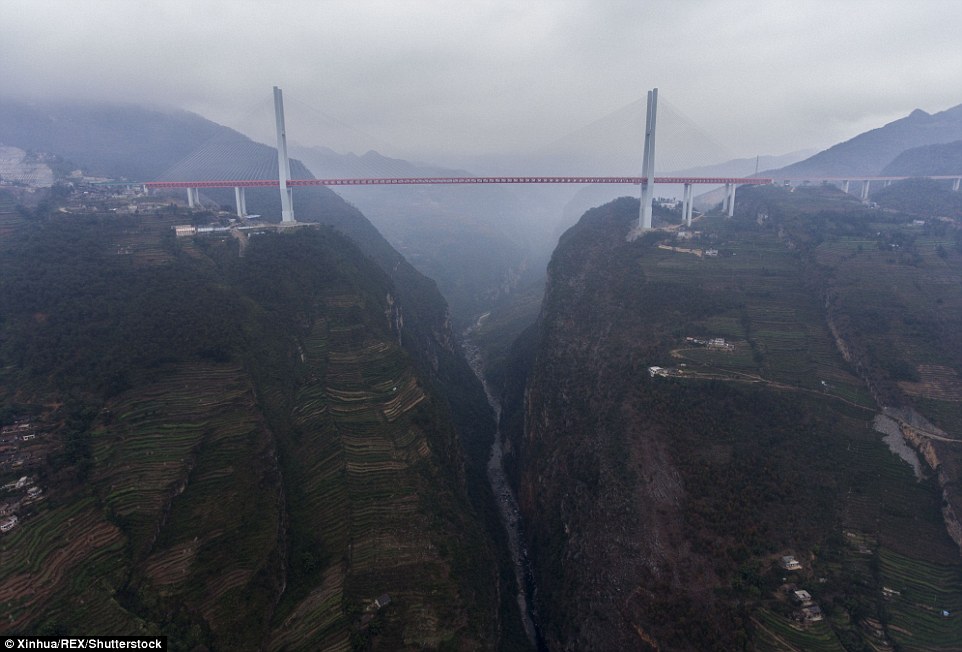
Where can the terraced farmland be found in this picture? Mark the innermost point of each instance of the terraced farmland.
(148, 451)
(926, 609)
(54, 558)
(775, 633)
(180, 477)
(144, 240)
(907, 296)
(761, 301)
(247, 456)
(359, 472)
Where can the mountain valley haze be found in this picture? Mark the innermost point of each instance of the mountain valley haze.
(546, 326)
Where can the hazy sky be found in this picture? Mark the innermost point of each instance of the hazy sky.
(446, 80)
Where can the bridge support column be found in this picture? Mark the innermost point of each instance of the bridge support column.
(686, 203)
(283, 162)
(955, 184)
(865, 186)
(241, 200)
(647, 168)
(193, 198)
(729, 206)
(845, 186)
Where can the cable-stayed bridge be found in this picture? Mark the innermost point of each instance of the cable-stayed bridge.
(222, 155)
(226, 162)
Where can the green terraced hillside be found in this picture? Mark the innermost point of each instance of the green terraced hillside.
(237, 452)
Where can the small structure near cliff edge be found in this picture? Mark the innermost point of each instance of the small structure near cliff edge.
(789, 563)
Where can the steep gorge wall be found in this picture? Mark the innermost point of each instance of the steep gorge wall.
(656, 508)
(597, 485)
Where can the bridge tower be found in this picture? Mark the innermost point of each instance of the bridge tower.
(647, 168)
(648, 165)
(283, 162)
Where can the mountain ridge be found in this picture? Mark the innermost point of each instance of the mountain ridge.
(940, 159)
(868, 153)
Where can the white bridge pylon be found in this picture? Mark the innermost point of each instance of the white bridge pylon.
(283, 161)
(648, 163)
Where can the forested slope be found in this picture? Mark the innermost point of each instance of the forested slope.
(662, 478)
(239, 452)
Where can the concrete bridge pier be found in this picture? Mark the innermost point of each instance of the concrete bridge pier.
(865, 186)
(845, 186)
(193, 198)
(729, 206)
(955, 184)
(241, 200)
(686, 203)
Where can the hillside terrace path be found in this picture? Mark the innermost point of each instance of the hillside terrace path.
(778, 639)
(726, 375)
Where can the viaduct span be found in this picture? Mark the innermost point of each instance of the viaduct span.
(646, 182)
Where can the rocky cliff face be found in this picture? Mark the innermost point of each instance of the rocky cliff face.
(658, 503)
(597, 483)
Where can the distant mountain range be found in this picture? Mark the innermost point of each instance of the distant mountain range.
(326, 163)
(111, 140)
(746, 167)
(928, 160)
(871, 153)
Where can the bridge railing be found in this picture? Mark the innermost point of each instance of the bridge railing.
(385, 181)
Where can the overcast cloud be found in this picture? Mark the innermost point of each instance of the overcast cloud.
(453, 80)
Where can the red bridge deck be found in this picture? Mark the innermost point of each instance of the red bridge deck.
(449, 180)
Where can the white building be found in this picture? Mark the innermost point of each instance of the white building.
(790, 563)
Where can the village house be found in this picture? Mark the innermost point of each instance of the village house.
(802, 597)
(789, 563)
(812, 614)
(719, 343)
